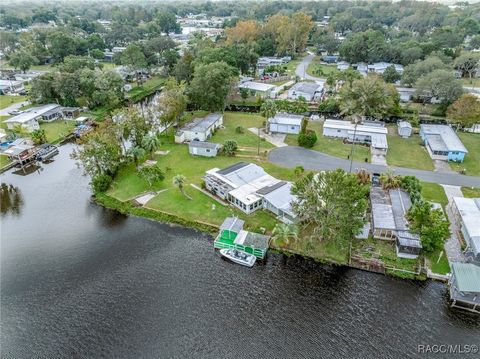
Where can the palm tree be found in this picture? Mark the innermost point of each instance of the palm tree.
(179, 181)
(136, 153)
(389, 180)
(283, 233)
(268, 110)
(150, 143)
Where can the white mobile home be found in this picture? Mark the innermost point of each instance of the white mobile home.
(200, 129)
(375, 136)
(467, 215)
(310, 91)
(257, 88)
(285, 123)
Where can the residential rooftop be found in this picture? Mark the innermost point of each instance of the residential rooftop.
(201, 124)
(442, 138)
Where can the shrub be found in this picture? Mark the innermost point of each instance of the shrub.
(230, 147)
(101, 183)
(240, 130)
(307, 139)
(38, 136)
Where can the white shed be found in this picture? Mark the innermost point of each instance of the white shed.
(404, 129)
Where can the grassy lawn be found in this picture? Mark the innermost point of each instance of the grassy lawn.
(408, 152)
(7, 100)
(321, 250)
(320, 70)
(332, 146)
(472, 159)
(433, 192)
(292, 65)
(127, 185)
(471, 192)
(384, 251)
(6, 66)
(4, 161)
(232, 120)
(438, 262)
(147, 88)
(474, 82)
(57, 129)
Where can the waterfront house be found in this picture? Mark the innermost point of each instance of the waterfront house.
(464, 284)
(467, 215)
(249, 188)
(199, 129)
(232, 235)
(389, 223)
(21, 154)
(310, 91)
(442, 143)
(205, 149)
(260, 89)
(285, 123)
(368, 133)
(29, 119)
(404, 129)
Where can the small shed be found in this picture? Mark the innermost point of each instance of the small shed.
(404, 129)
(201, 148)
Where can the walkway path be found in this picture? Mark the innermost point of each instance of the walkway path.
(313, 160)
(276, 139)
(13, 107)
(301, 70)
(452, 245)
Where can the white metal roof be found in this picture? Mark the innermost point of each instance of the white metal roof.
(469, 209)
(306, 87)
(32, 113)
(287, 119)
(256, 86)
(449, 139)
(404, 124)
(347, 125)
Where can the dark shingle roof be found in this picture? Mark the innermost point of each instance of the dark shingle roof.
(232, 168)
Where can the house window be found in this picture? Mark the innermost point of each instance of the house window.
(339, 130)
(293, 127)
(207, 150)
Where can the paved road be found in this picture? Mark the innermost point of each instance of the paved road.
(15, 106)
(301, 70)
(313, 160)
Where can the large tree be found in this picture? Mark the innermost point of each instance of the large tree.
(413, 72)
(167, 22)
(172, 102)
(211, 85)
(333, 202)
(368, 46)
(369, 96)
(22, 60)
(134, 58)
(468, 63)
(465, 111)
(439, 84)
(244, 32)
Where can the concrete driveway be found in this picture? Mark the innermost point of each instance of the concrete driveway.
(15, 106)
(313, 160)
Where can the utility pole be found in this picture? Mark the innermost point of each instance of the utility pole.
(353, 144)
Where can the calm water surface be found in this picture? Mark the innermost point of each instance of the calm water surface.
(80, 281)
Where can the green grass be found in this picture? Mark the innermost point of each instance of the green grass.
(471, 192)
(127, 185)
(232, 120)
(384, 251)
(408, 152)
(472, 159)
(433, 192)
(331, 146)
(438, 264)
(292, 66)
(7, 100)
(4, 160)
(474, 82)
(146, 89)
(57, 129)
(6, 66)
(320, 70)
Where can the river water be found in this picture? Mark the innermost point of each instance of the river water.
(81, 281)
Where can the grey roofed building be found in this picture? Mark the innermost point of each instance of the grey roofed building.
(467, 214)
(464, 286)
(201, 148)
(199, 129)
(441, 141)
(202, 124)
(285, 123)
(278, 199)
(307, 90)
(404, 129)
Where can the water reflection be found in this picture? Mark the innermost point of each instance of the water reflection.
(11, 200)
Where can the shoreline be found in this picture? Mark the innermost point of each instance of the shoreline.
(128, 208)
